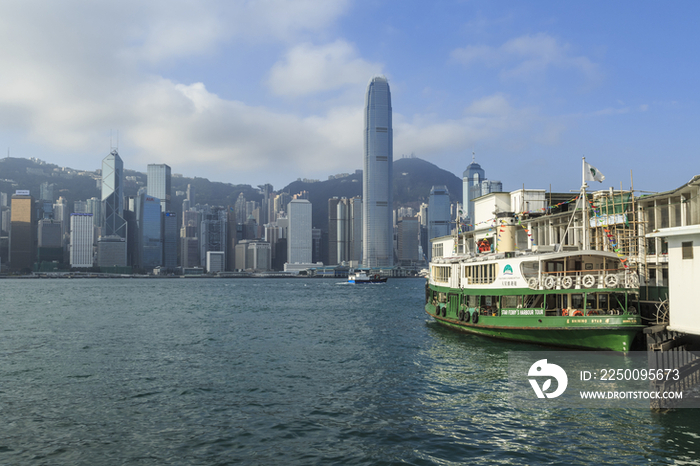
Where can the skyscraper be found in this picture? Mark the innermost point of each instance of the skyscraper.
(438, 212)
(171, 236)
(23, 231)
(81, 227)
(113, 195)
(299, 232)
(377, 230)
(475, 184)
(150, 241)
(158, 183)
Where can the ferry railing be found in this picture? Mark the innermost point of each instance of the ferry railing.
(585, 279)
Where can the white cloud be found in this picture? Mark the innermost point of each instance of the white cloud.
(73, 71)
(491, 120)
(310, 69)
(526, 55)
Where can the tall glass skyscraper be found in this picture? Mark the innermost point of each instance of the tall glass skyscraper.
(158, 184)
(475, 184)
(377, 228)
(113, 195)
(150, 241)
(438, 213)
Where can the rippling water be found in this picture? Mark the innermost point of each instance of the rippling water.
(280, 371)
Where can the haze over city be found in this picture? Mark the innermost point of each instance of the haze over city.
(265, 92)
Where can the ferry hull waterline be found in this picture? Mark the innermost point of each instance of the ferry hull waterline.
(613, 333)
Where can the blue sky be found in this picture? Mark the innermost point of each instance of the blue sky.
(269, 91)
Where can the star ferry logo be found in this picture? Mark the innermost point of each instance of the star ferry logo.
(542, 369)
(507, 270)
(593, 172)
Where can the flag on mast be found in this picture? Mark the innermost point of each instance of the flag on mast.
(592, 173)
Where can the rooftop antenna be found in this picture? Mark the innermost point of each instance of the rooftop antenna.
(473, 156)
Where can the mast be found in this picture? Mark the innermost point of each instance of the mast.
(584, 200)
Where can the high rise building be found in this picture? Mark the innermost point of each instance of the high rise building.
(213, 234)
(46, 191)
(344, 230)
(438, 213)
(23, 229)
(81, 227)
(240, 208)
(475, 184)
(113, 195)
(158, 184)
(150, 242)
(94, 207)
(189, 252)
(377, 231)
(299, 241)
(62, 214)
(111, 251)
(170, 239)
(190, 195)
(409, 228)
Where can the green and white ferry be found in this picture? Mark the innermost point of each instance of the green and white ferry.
(577, 297)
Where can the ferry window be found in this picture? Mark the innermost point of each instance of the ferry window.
(510, 301)
(576, 301)
(487, 301)
(603, 301)
(591, 301)
(529, 269)
(443, 297)
(533, 301)
(687, 247)
(552, 301)
(471, 301)
(441, 273)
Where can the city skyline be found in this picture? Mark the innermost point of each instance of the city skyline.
(203, 88)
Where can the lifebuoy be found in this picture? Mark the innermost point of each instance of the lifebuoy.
(565, 312)
(475, 316)
(566, 282)
(549, 282)
(532, 283)
(577, 313)
(484, 246)
(588, 281)
(632, 310)
(633, 280)
(611, 281)
(593, 312)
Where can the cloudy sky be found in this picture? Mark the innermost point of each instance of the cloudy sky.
(271, 90)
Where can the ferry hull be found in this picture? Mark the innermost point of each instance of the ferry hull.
(603, 333)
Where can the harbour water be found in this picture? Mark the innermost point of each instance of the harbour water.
(280, 371)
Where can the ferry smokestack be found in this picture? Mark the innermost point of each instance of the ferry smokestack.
(507, 228)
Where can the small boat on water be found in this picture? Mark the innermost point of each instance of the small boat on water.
(361, 277)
